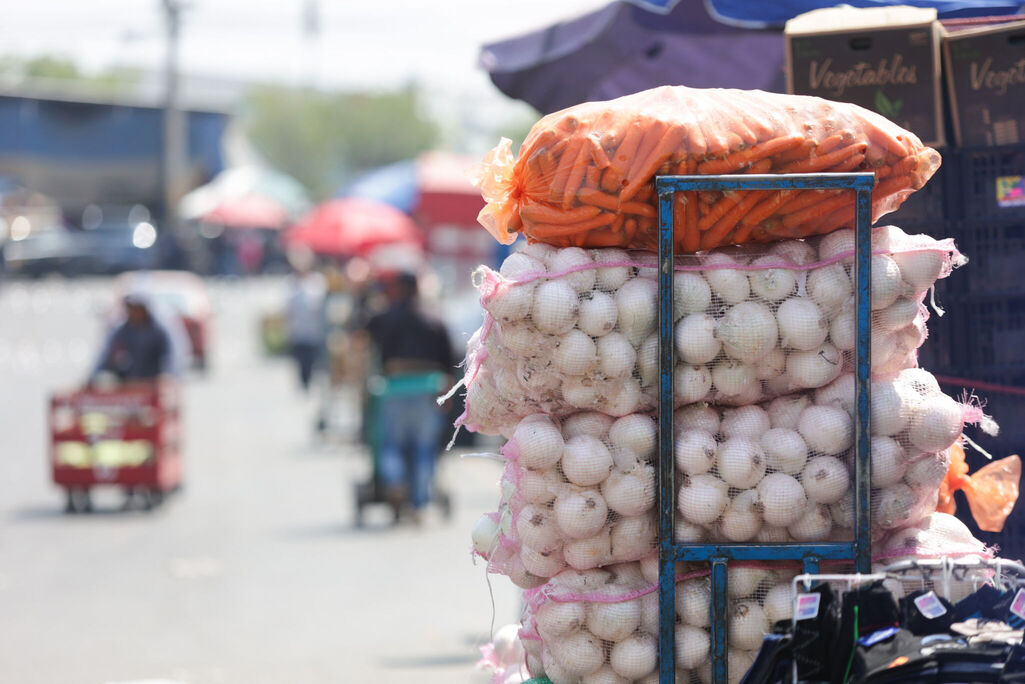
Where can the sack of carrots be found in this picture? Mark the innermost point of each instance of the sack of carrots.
(585, 175)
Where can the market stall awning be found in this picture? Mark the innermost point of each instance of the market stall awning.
(242, 182)
(250, 211)
(353, 227)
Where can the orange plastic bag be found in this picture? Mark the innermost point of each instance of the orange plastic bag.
(584, 175)
(991, 492)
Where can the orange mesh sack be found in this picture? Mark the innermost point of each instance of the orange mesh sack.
(584, 174)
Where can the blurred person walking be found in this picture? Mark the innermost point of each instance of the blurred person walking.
(138, 349)
(412, 345)
(304, 315)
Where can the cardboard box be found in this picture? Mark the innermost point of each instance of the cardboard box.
(884, 59)
(986, 81)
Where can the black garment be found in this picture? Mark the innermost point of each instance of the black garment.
(305, 355)
(980, 604)
(405, 332)
(918, 624)
(814, 638)
(137, 352)
(876, 610)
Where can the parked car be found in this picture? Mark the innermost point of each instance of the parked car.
(177, 294)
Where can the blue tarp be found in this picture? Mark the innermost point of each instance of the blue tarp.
(394, 184)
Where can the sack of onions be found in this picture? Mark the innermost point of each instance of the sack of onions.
(570, 329)
(602, 624)
(576, 493)
(503, 661)
(783, 470)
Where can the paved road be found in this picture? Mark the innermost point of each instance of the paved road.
(254, 573)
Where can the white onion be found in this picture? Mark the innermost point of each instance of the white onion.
(744, 581)
(630, 493)
(742, 519)
(839, 393)
(539, 486)
(784, 411)
(554, 670)
(843, 330)
(579, 653)
(611, 278)
(536, 529)
(647, 360)
(625, 574)
(626, 398)
(649, 569)
(696, 418)
(694, 602)
(637, 304)
(770, 534)
(570, 257)
(898, 315)
(936, 423)
(783, 499)
(920, 380)
(829, 286)
(542, 564)
(691, 294)
(920, 269)
(692, 647)
(537, 374)
(784, 450)
(484, 534)
(748, 331)
(539, 251)
(730, 285)
(702, 498)
(827, 430)
(813, 525)
(748, 625)
(691, 383)
(555, 307)
(886, 283)
(815, 368)
(511, 302)
(771, 284)
(802, 324)
(888, 464)
(745, 421)
(539, 443)
(575, 353)
(613, 621)
(842, 512)
(797, 252)
(603, 675)
(633, 538)
(694, 451)
(523, 339)
(925, 474)
(555, 618)
(520, 264)
(890, 411)
(593, 552)
(649, 609)
(580, 392)
(733, 380)
(688, 533)
(586, 461)
(741, 462)
(695, 339)
(598, 314)
(892, 506)
(836, 243)
(585, 581)
(825, 479)
(587, 423)
(635, 656)
(772, 365)
(580, 513)
(616, 356)
(779, 603)
(635, 433)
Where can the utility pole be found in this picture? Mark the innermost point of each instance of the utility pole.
(311, 33)
(175, 157)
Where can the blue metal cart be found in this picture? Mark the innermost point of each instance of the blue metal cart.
(719, 555)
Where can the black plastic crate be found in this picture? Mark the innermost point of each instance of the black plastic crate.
(996, 256)
(990, 182)
(989, 336)
(933, 202)
(939, 353)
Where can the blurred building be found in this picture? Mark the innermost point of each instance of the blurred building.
(97, 149)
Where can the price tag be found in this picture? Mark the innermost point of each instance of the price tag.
(1018, 604)
(807, 606)
(930, 606)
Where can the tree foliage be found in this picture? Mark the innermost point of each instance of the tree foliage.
(323, 139)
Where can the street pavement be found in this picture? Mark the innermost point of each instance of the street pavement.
(254, 572)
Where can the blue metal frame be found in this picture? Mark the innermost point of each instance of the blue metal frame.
(858, 550)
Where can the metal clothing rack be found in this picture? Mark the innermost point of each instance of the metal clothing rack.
(719, 555)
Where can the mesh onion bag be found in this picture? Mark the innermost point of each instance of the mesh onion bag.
(584, 175)
(580, 492)
(570, 329)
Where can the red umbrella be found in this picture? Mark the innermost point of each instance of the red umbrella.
(353, 227)
(249, 211)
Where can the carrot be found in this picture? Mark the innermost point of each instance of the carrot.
(717, 145)
(766, 208)
(562, 171)
(834, 141)
(714, 236)
(849, 164)
(629, 229)
(824, 161)
(742, 158)
(760, 166)
(691, 234)
(598, 199)
(697, 146)
(734, 142)
(893, 144)
(758, 127)
(875, 154)
(891, 185)
(612, 178)
(593, 177)
(816, 210)
(576, 175)
(652, 135)
(543, 231)
(802, 200)
(743, 131)
(542, 213)
(802, 151)
(662, 149)
(719, 209)
(601, 159)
